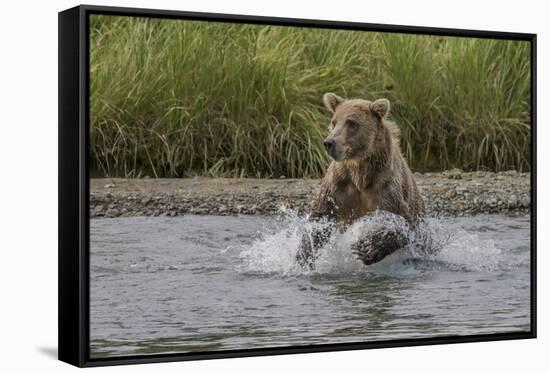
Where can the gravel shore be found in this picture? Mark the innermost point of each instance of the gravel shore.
(450, 193)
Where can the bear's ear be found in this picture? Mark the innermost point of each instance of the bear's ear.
(381, 107)
(331, 101)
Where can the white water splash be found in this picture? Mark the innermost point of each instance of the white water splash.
(436, 245)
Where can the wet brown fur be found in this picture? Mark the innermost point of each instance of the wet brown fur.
(374, 177)
(369, 172)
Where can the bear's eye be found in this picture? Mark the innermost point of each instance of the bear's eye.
(352, 124)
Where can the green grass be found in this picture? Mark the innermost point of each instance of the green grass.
(173, 98)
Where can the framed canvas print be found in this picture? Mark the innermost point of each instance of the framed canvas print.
(234, 186)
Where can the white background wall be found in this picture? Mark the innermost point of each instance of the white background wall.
(28, 183)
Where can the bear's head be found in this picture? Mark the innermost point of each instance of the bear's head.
(355, 126)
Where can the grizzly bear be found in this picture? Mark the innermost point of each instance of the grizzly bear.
(368, 173)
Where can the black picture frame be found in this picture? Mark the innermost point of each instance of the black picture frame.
(74, 184)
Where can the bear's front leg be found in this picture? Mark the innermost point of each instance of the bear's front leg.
(310, 244)
(375, 246)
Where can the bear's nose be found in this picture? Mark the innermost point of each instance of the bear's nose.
(329, 144)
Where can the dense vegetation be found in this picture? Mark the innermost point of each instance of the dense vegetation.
(173, 98)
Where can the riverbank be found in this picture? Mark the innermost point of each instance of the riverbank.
(451, 193)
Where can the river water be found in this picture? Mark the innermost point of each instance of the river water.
(202, 283)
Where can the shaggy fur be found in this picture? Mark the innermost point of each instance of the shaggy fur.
(368, 173)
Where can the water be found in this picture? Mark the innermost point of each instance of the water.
(203, 283)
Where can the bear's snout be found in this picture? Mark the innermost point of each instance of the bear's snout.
(329, 145)
(334, 148)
